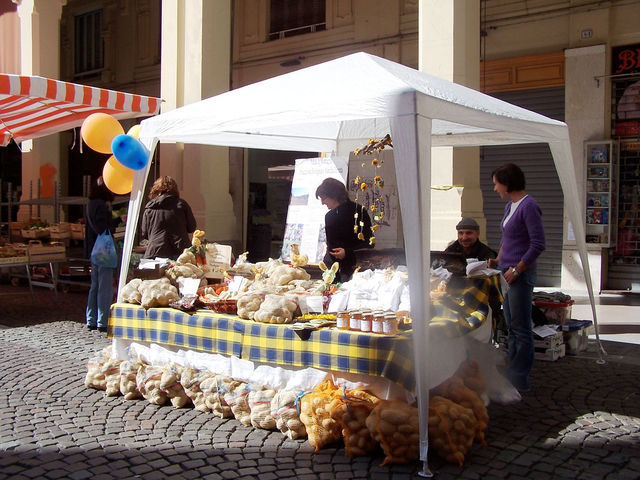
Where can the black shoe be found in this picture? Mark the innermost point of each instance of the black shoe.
(102, 329)
(92, 327)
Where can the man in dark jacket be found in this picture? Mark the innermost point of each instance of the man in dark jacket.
(468, 242)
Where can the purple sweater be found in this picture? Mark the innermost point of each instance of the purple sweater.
(523, 236)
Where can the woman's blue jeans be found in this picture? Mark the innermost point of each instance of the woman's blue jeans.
(100, 296)
(517, 315)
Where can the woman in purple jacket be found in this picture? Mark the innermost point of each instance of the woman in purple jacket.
(522, 242)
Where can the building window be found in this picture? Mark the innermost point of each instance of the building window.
(88, 44)
(296, 17)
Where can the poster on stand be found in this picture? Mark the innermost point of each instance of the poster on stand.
(305, 216)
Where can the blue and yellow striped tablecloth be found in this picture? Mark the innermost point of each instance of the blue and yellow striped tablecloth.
(390, 357)
(465, 305)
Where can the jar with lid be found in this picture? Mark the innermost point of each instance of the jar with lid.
(342, 320)
(390, 324)
(376, 324)
(366, 322)
(354, 320)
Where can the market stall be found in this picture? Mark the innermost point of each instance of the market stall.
(338, 106)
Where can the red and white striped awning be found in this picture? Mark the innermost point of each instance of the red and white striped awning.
(32, 107)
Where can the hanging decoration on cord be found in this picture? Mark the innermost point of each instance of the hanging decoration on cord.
(371, 149)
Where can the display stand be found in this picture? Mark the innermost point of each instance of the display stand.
(52, 264)
(601, 187)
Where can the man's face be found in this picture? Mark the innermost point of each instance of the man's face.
(467, 237)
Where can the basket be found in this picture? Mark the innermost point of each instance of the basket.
(229, 307)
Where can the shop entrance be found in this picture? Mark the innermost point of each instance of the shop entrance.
(270, 177)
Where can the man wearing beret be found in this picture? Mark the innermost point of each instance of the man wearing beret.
(468, 242)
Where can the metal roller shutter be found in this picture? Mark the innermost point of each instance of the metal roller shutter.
(542, 180)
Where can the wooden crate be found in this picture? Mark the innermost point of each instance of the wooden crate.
(28, 233)
(39, 252)
(77, 230)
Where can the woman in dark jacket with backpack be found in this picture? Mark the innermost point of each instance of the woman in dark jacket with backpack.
(98, 219)
(167, 221)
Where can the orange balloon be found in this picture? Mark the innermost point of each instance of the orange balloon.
(117, 177)
(98, 131)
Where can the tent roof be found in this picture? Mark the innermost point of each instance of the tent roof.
(348, 100)
(32, 106)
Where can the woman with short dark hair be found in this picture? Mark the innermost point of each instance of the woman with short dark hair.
(98, 219)
(167, 221)
(522, 242)
(339, 223)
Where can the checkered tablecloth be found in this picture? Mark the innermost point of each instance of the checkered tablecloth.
(390, 357)
(465, 305)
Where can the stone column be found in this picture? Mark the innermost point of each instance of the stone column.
(40, 55)
(196, 64)
(449, 48)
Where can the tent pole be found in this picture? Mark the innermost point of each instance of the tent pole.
(133, 213)
(412, 151)
(564, 167)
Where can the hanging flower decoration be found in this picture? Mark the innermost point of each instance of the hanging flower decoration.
(373, 147)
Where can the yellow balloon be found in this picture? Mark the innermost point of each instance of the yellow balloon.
(117, 177)
(134, 131)
(98, 130)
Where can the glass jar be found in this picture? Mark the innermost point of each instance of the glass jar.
(376, 324)
(354, 320)
(342, 320)
(390, 324)
(366, 322)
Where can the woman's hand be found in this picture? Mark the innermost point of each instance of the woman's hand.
(511, 274)
(492, 262)
(338, 253)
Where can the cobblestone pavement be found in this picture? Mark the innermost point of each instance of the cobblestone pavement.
(581, 420)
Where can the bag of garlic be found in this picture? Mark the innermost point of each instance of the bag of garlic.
(95, 377)
(128, 385)
(394, 424)
(452, 429)
(284, 409)
(351, 412)
(314, 414)
(148, 381)
(170, 384)
(111, 371)
(260, 406)
(214, 389)
(276, 309)
(191, 380)
(455, 389)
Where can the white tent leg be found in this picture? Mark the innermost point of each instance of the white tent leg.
(135, 203)
(564, 167)
(412, 152)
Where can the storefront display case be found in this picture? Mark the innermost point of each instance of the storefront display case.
(601, 187)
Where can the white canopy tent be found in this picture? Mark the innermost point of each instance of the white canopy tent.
(339, 105)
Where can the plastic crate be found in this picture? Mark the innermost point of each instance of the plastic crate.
(575, 335)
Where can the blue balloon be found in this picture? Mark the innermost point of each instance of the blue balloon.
(130, 152)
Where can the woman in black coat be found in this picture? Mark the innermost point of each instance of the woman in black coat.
(339, 224)
(167, 221)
